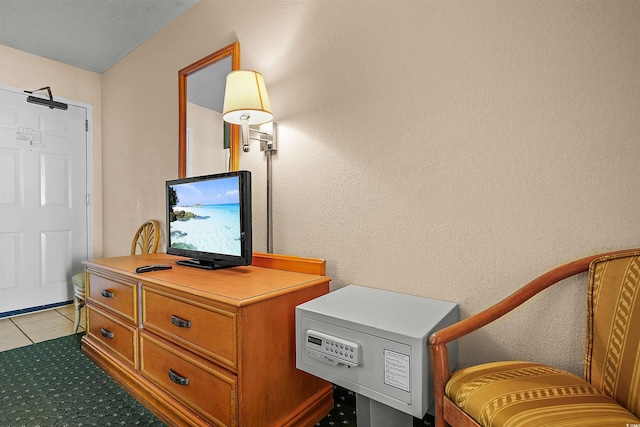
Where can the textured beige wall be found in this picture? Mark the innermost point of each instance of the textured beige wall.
(448, 149)
(27, 71)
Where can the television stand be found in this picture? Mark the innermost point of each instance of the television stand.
(205, 265)
(207, 348)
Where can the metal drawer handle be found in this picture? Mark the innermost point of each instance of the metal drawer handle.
(180, 323)
(105, 333)
(177, 378)
(107, 293)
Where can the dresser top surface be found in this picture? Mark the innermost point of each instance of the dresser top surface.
(236, 286)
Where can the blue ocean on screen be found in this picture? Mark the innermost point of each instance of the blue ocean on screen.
(207, 216)
(213, 228)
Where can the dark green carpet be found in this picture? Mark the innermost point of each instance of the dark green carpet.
(52, 384)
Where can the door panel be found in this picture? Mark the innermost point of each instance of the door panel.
(43, 209)
(10, 194)
(10, 247)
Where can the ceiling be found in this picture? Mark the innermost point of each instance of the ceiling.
(89, 34)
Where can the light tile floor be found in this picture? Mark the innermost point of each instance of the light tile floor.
(26, 329)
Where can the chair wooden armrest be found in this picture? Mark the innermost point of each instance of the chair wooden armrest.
(439, 339)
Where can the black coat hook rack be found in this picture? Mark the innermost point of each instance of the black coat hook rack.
(46, 102)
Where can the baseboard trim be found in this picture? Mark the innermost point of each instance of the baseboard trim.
(36, 308)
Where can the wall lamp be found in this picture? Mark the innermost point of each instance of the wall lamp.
(246, 103)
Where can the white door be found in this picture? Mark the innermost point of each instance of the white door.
(43, 201)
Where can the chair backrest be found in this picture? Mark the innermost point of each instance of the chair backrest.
(612, 358)
(146, 238)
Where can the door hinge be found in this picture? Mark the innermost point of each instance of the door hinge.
(87, 199)
(86, 125)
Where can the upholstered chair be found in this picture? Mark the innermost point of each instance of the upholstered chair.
(528, 394)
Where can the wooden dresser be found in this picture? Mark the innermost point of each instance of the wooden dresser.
(200, 347)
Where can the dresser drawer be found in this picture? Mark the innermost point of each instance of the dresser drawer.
(114, 334)
(197, 383)
(204, 329)
(118, 295)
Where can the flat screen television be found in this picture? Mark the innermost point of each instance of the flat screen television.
(209, 219)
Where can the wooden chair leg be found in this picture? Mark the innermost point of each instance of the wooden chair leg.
(78, 304)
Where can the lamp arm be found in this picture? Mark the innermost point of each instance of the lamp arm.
(244, 133)
(267, 140)
(264, 136)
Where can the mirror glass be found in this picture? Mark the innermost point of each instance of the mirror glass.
(206, 143)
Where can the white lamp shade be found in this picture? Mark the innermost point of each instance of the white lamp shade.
(246, 95)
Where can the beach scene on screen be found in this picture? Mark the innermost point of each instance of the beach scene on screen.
(211, 219)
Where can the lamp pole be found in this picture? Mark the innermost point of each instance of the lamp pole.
(269, 147)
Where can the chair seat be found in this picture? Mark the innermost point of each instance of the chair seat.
(524, 394)
(78, 280)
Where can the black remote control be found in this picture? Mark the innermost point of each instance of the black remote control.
(153, 267)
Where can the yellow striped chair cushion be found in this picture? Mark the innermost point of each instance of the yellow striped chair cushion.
(612, 359)
(524, 394)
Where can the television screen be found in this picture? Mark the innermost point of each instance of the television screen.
(209, 219)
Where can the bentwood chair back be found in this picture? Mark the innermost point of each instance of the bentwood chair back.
(146, 239)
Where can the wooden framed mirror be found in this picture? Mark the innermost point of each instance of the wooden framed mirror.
(206, 144)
